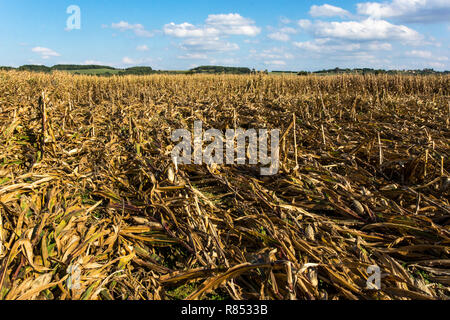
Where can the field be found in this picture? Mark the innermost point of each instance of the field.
(104, 71)
(94, 71)
(92, 207)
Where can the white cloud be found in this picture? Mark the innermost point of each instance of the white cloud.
(233, 23)
(142, 48)
(138, 29)
(380, 46)
(420, 54)
(327, 10)
(187, 30)
(275, 63)
(208, 45)
(282, 34)
(366, 30)
(355, 59)
(279, 36)
(308, 45)
(304, 23)
(123, 25)
(197, 56)
(211, 36)
(215, 25)
(408, 10)
(45, 52)
(362, 42)
(289, 30)
(436, 65)
(327, 46)
(423, 54)
(273, 54)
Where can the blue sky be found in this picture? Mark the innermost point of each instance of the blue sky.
(273, 35)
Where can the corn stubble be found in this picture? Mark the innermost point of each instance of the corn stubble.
(87, 183)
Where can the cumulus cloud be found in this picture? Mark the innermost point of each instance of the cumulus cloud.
(337, 53)
(215, 25)
(314, 45)
(327, 46)
(364, 40)
(138, 29)
(327, 10)
(424, 54)
(208, 45)
(420, 54)
(233, 24)
(272, 54)
(366, 30)
(355, 53)
(279, 36)
(407, 10)
(282, 34)
(289, 30)
(187, 30)
(380, 46)
(304, 23)
(45, 53)
(210, 36)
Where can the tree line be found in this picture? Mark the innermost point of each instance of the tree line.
(208, 70)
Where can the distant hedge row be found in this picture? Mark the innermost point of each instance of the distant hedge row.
(137, 71)
(74, 67)
(210, 70)
(219, 69)
(71, 67)
(130, 71)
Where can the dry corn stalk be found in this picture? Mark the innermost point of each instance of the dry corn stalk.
(105, 193)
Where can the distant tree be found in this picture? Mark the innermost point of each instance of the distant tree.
(137, 71)
(220, 69)
(34, 68)
(71, 67)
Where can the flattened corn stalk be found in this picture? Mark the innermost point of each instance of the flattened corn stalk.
(363, 181)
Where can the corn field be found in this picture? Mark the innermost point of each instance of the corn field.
(93, 208)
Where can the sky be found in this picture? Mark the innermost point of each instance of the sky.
(264, 34)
